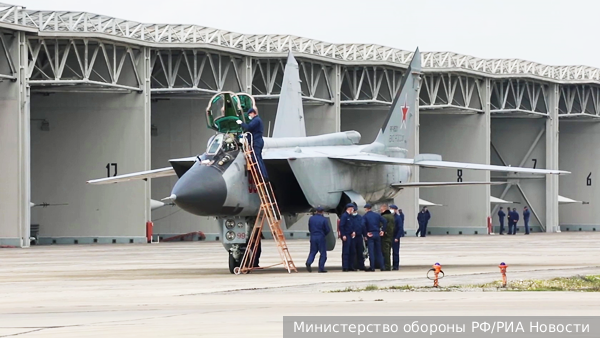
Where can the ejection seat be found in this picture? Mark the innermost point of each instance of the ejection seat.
(225, 108)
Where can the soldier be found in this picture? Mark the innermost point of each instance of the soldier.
(256, 128)
(398, 232)
(501, 216)
(388, 237)
(526, 214)
(346, 233)
(372, 233)
(357, 258)
(509, 221)
(515, 220)
(318, 226)
(423, 219)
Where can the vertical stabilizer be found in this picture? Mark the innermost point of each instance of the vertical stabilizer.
(289, 121)
(397, 127)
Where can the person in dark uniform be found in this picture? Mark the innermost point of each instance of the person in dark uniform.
(388, 237)
(398, 232)
(318, 226)
(373, 232)
(258, 250)
(526, 215)
(509, 217)
(346, 233)
(501, 216)
(256, 128)
(357, 258)
(515, 220)
(423, 219)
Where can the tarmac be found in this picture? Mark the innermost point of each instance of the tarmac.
(185, 289)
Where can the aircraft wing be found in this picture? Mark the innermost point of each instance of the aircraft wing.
(141, 175)
(367, 159)
(381, 159)
(475, 166)
(440, 184)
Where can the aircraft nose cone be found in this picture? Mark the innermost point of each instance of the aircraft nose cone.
(201, 191)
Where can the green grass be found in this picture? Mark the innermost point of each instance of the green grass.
(576, 283)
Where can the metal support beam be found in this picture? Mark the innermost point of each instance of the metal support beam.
(552, 146)
(530, 206)
(484, 98)
(146, 72)
(24, 143)
(508, 186)
(336, 84)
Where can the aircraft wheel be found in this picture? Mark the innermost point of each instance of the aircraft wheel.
(232, 264)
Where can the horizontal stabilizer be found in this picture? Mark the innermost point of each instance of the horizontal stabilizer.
(141, 175)
(476, 166)
(366, 159)
(440, 184)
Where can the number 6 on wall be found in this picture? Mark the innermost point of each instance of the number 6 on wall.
(589, 180)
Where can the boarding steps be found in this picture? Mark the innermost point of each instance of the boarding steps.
(269, 211)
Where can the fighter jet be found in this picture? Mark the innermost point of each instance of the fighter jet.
(327, 170)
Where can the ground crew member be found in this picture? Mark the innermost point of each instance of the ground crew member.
(318, 226)
(423, 219)
(256, 128)
(501, 216)
(398, 232)
(515, 220)
(372, 233)
(388, 237)
(509, 217)
(258, 250)
(526, 214)
(346, 233)
(357, 258)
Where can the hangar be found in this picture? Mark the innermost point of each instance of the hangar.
(85, 96)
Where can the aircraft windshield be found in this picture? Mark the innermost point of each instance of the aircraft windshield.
(215, 145)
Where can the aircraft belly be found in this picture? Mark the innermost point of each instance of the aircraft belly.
(374, 183)
(317, 178)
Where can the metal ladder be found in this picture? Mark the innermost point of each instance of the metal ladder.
(269, 211)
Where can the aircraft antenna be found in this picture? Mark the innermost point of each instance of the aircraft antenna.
(269, 211)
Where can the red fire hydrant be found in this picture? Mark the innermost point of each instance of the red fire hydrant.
(503, 267)
(149, 226)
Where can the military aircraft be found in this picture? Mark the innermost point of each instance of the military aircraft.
(327, 170)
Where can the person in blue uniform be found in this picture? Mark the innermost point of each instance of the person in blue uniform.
(346, 234)
(398, 233)
(501, 216)
(526, 215)
(373, 232)
(357, 258)
(515, 219)
(423, 218)
(318, 226)
(256, 128)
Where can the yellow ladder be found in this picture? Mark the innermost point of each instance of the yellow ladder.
(269, 211)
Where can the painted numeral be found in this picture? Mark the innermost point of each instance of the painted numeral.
(534, 162)
(589, 180)
(459, 174)
(108, 165)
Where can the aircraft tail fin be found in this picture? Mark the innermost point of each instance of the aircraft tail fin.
(289, 121)
(398, 126)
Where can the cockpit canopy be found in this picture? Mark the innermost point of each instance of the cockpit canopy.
(225, 108)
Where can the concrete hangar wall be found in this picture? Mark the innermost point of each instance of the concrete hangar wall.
(129, 97)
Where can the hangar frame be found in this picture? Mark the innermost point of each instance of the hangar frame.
(77, 51)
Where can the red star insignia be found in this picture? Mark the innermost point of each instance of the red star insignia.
(404, 111)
